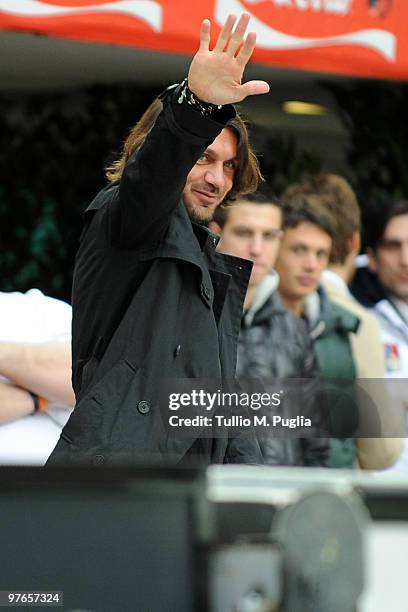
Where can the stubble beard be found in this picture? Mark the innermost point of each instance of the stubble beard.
(199, 219)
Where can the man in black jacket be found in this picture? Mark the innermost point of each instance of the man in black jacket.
(274, 346)
(152, 299)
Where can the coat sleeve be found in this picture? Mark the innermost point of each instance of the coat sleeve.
(245, 449)
(154, 177)
(242, 443)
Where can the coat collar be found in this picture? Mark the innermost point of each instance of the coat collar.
(196, 244)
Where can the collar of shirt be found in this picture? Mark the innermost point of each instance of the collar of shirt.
(331, 277)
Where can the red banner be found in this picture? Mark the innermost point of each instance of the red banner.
(356, 37)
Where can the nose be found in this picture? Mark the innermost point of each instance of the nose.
(310, 261)
(255, 247)
(215, 175)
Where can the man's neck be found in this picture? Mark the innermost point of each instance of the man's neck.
(294, 305)
(341, 271)
(347, 269)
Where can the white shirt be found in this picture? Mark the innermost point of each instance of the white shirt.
(33, 317)
(394, 331)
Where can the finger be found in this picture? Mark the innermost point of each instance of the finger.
(205, 35)
(252, 88)
(225, 33)
(238, 35)
(246, 50)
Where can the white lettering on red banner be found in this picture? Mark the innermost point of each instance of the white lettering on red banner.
(380, 41)
(339, 7)
(147, 10)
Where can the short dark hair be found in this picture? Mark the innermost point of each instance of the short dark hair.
(261, 197)
(307, 208)
(338, 197)
(378, 217)
(247, 175)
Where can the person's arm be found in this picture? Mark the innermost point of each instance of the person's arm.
(15, 403)
(154, 177)
(378, 407)
(378, 453)
(43, 369)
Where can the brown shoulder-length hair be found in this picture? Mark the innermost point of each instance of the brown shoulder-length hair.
(247, 175)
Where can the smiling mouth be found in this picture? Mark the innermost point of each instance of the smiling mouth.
(211, 197)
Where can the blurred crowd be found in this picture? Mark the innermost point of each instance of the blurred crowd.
(316, 309)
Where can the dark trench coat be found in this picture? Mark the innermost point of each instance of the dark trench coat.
(152, 300)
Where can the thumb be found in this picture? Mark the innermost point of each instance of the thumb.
(253, 88)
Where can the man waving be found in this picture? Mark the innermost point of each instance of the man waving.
(152, 300)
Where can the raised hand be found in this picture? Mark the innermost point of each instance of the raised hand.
(215, 76)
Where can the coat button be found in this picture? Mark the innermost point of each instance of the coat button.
(98, 459)
(143, 407)
(177, 350)
(206, 291)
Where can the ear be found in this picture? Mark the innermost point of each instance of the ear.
(372, 260)
(214, 227)
(354, 243)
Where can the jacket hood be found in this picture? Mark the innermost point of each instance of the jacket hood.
(366, 287)
(262, 306)
(324, 316)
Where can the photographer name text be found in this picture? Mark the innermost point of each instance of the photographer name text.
(255, 420)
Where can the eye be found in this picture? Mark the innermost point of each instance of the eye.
(203, 158)
(231, 164)
(272, 235)
(391, 246)
(242, 233)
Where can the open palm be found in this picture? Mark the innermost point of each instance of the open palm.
(215, 76)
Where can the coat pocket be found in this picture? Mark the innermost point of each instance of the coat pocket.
(95, 415)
